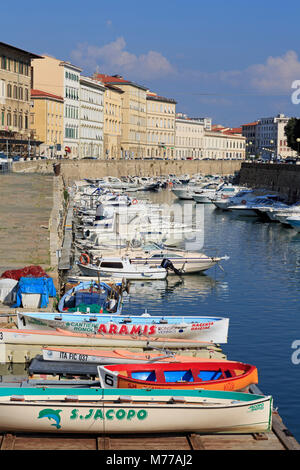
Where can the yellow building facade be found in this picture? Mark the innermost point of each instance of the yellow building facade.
(61, 78)
(112, 121)
(134, 115)
(161, 113)
(15, 86)
(47, 122)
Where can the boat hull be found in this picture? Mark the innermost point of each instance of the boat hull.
(52, 410)
(64, 338)
(210, 375)
(151, 274)
(117, 356)
(207, 329)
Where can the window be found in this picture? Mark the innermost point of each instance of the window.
(3, 62)
(113, 265)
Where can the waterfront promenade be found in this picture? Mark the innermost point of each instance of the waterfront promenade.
(26, 205)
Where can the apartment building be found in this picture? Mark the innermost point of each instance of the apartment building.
(62, 78)
(91, 103)
(112, 121)
(270, 138)
(134, 115)
(224, 143)
(161, 117)
(249, 132)
(47, 122)
(15, 104)
(189, 137)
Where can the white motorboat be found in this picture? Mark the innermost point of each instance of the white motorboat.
(251, 208)
(215, 191)
(294, 221)
(185, 262)
(244, 196)
(187, 191)
(121, 267)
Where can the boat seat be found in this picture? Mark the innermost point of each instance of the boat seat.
(179, 376)
(145, 375)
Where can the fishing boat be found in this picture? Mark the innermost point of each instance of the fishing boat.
(200, 328)
(119, 266)
(96, 410)
(91, 296)
(209, 375)
(116, 356)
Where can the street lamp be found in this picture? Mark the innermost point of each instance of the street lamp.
(29, 145)
(298, 141)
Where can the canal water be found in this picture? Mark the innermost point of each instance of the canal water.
(257, 288)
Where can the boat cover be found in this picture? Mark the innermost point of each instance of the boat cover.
(41, 285)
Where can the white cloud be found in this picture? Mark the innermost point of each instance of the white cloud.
(275, 75)
(114, 58)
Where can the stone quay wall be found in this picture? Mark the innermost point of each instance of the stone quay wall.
(282, 178)
(72, 170)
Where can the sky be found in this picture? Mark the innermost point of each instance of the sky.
(232, 61)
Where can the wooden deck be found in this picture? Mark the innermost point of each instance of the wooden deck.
(279, 439)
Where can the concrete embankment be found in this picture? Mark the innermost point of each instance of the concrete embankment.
(72, 170)
(282, 178)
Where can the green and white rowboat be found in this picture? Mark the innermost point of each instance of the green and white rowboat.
(92, 410)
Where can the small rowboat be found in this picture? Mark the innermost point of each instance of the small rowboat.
(10, 336)
(200, 328)
(209, 375)
(116, 356)
(91, 296)
(96, 410)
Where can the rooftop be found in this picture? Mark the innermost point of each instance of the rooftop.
(116, 80)
(44, 94)
(21, 51)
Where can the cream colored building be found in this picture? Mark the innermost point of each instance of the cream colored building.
(224, 143)
(62, 78)
(112, 121)
(91, 118)
(46, 120)
(161, 113)
(134, 115)
(189, 138)
(15, 86)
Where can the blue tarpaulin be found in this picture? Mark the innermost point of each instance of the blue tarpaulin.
(38, 285)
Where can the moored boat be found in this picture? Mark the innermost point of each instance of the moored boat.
(116, 356)
(122, 267)
(91, 296)
(202, 328)
(209, 375)
(94, 410)
(10, 337)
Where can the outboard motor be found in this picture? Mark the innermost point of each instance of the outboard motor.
(169, 266)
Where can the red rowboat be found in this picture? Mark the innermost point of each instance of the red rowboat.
(211, 375)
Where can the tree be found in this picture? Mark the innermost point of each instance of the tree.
(292, 132)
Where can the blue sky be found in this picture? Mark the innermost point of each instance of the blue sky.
(230, 60)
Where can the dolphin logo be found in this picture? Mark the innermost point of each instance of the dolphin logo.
(51, 414)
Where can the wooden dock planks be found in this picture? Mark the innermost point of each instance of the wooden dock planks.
(278, 439)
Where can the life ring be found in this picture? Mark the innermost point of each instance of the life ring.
(84, 259)
(135, 201)
(244, 202)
